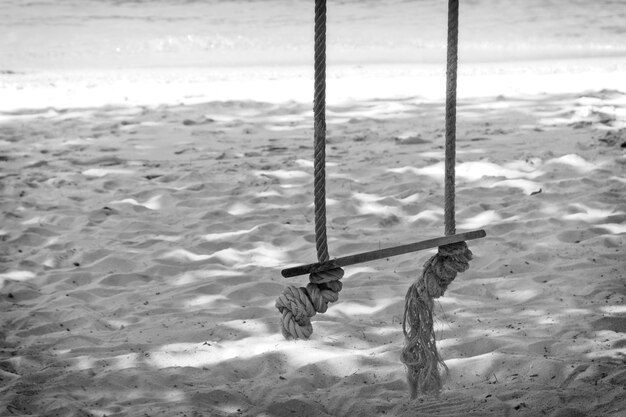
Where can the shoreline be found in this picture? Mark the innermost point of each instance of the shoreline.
(96, 87)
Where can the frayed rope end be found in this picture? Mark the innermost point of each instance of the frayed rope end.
(420, 355)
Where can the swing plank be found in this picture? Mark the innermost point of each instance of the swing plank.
(381, 253)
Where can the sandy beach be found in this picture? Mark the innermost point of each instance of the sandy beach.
(147, 213)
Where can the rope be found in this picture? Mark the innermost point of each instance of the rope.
(298, 305)
(420, 354)
(319, 133)
(450, 158)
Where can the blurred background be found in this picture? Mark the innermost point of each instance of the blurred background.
(49, 34)
(59, 53)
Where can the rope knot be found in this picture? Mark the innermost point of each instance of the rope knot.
(298, 305)
(441, 269)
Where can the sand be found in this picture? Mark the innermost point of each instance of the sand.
(141, 246)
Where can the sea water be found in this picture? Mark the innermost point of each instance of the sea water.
(47, 34)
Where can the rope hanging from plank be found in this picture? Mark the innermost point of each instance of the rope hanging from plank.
(298, 305)
(420, 354)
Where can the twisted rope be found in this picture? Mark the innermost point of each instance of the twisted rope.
(450, 157)
(319, 132)
(298, 305)
(420, 354)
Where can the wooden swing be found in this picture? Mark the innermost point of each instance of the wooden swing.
(298, 305)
